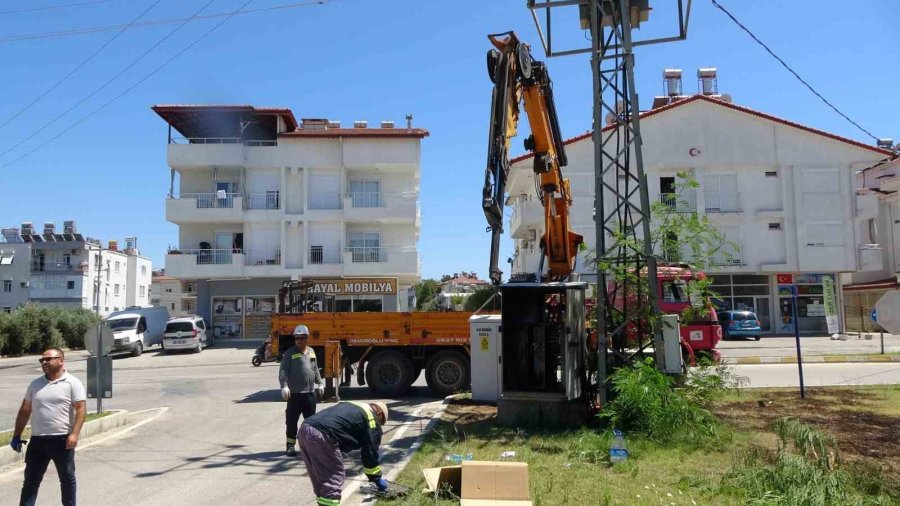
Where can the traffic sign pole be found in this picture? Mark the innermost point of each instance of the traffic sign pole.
(797, 339)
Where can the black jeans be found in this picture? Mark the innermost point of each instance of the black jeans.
(41, 450)
(298, 404)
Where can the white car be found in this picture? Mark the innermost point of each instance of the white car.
(187, 333)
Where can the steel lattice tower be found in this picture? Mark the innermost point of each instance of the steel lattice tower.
(621, 200)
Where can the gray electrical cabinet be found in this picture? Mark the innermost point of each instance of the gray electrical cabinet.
(485, 345)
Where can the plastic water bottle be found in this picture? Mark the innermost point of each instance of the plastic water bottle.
(618, 452)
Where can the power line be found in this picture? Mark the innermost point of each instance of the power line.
(789, 69)
(49, 7)
(80, 65)
(109, 81)
(126, 91)
(95, 29)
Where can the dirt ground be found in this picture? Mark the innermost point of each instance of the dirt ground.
(847, 414)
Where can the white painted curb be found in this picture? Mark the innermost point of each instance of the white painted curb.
(116, 419)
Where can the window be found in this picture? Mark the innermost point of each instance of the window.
(775, 226)
(67, 260)
(168, 290)
(173, 306)
(117, 266)
(141, 290)
(70, 285)
(771, 173)
(7, 285)
(365, 247)
(6, 257)
(365, 193)
(116, 289)
(143, 270)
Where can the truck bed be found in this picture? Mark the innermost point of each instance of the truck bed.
(380, 329)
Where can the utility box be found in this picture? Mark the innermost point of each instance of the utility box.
(667, 345)
(542, 355)
(486, 342)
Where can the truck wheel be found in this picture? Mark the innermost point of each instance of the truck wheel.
(448, 372)
(389, 373)
(136, 352)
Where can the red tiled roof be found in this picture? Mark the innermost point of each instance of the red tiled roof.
(747, 110)
(358, 132)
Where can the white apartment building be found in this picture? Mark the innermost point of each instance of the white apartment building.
(62, 269)
(863, 289)
(177, 296)
(260, 199)
(782, 192)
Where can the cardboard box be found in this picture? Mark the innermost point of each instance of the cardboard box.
(482, 483)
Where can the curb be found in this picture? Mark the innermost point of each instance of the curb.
(813, 359)
(115, 419)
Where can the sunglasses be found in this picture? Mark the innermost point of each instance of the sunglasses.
(302, 337)
(47, 359)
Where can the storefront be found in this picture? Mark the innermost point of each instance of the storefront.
(769, 296)
(242, 317)
(359, 295)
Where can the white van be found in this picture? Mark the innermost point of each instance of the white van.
(137, 328)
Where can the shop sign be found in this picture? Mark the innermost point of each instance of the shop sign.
(831, 316)
(355, 286)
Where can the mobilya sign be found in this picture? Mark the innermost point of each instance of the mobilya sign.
(355, 286)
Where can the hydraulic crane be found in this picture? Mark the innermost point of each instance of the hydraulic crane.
(517, 76)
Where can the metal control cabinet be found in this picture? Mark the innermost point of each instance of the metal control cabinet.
(486, 358)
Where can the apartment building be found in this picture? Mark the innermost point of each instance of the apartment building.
(782, 193)
(260, 199)
(62, 269)
(177, 296)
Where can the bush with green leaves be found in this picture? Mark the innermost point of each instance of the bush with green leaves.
(477, 299)
(646, 402)
(805, 470)
(33, 328)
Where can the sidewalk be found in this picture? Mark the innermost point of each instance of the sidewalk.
(821, 349)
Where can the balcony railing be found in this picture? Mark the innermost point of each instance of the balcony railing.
(324, 200)
(254, 257)
(367, 254)
(213, 256)
(684, 202)
(222, 140)
(37, 266)
(717, 202)
(366, 199)
(319, 255)
(211, 200)
(268, 200)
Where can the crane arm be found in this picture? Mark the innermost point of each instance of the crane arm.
(517, 76)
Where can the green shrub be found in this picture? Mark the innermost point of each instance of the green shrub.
(34, 328)
(646, 402)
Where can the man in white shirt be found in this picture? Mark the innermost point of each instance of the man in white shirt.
(56, 403)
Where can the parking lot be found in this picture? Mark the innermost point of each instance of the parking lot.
(220, 440)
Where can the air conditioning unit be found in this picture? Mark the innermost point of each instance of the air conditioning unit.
(25, 284)
(736, 261)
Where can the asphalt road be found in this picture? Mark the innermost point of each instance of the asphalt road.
(220, 441)
(809, 346)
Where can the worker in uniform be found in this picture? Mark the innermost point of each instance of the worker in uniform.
(344, 427)
(301, 384)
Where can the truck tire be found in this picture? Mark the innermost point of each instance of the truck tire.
(138, 349)
(448, 372)
(389, 373)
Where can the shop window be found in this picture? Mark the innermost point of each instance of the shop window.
(749, 279)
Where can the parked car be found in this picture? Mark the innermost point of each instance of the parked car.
(740, 324)
(137, 328)
(188, 333)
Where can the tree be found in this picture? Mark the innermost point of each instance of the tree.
(426, 292)
(477, 299)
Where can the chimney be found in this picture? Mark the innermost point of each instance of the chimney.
(113, 245)
(49, 228)
(672, 80)
(387, 124)
(409, 121)
(708, 81)
(69, 227)
(360, 124)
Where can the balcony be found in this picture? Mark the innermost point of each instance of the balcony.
(527, 217)
(718, 202)
(324, 201)
(262, 262)
(205, 263)
(221, 152)
(683, 202)
(383, 207)
(205, 208)
(369, 261)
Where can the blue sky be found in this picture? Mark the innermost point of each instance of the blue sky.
(377, 60)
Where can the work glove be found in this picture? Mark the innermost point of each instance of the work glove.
(16, 444)
(382, 484)
(285, 393)
(320, 392)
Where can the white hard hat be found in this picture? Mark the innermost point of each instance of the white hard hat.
(301, 329)
(383, 407)
(285, 393)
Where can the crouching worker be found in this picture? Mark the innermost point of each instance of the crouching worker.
(344, 427)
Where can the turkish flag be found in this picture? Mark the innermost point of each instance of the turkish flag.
(785, 279)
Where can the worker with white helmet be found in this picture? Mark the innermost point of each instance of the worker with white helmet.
(301, 384)
(344, 427)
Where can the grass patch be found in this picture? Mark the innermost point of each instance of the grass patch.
(6, 437)
(858, 425)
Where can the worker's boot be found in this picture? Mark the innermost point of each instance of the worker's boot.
(291, 451)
